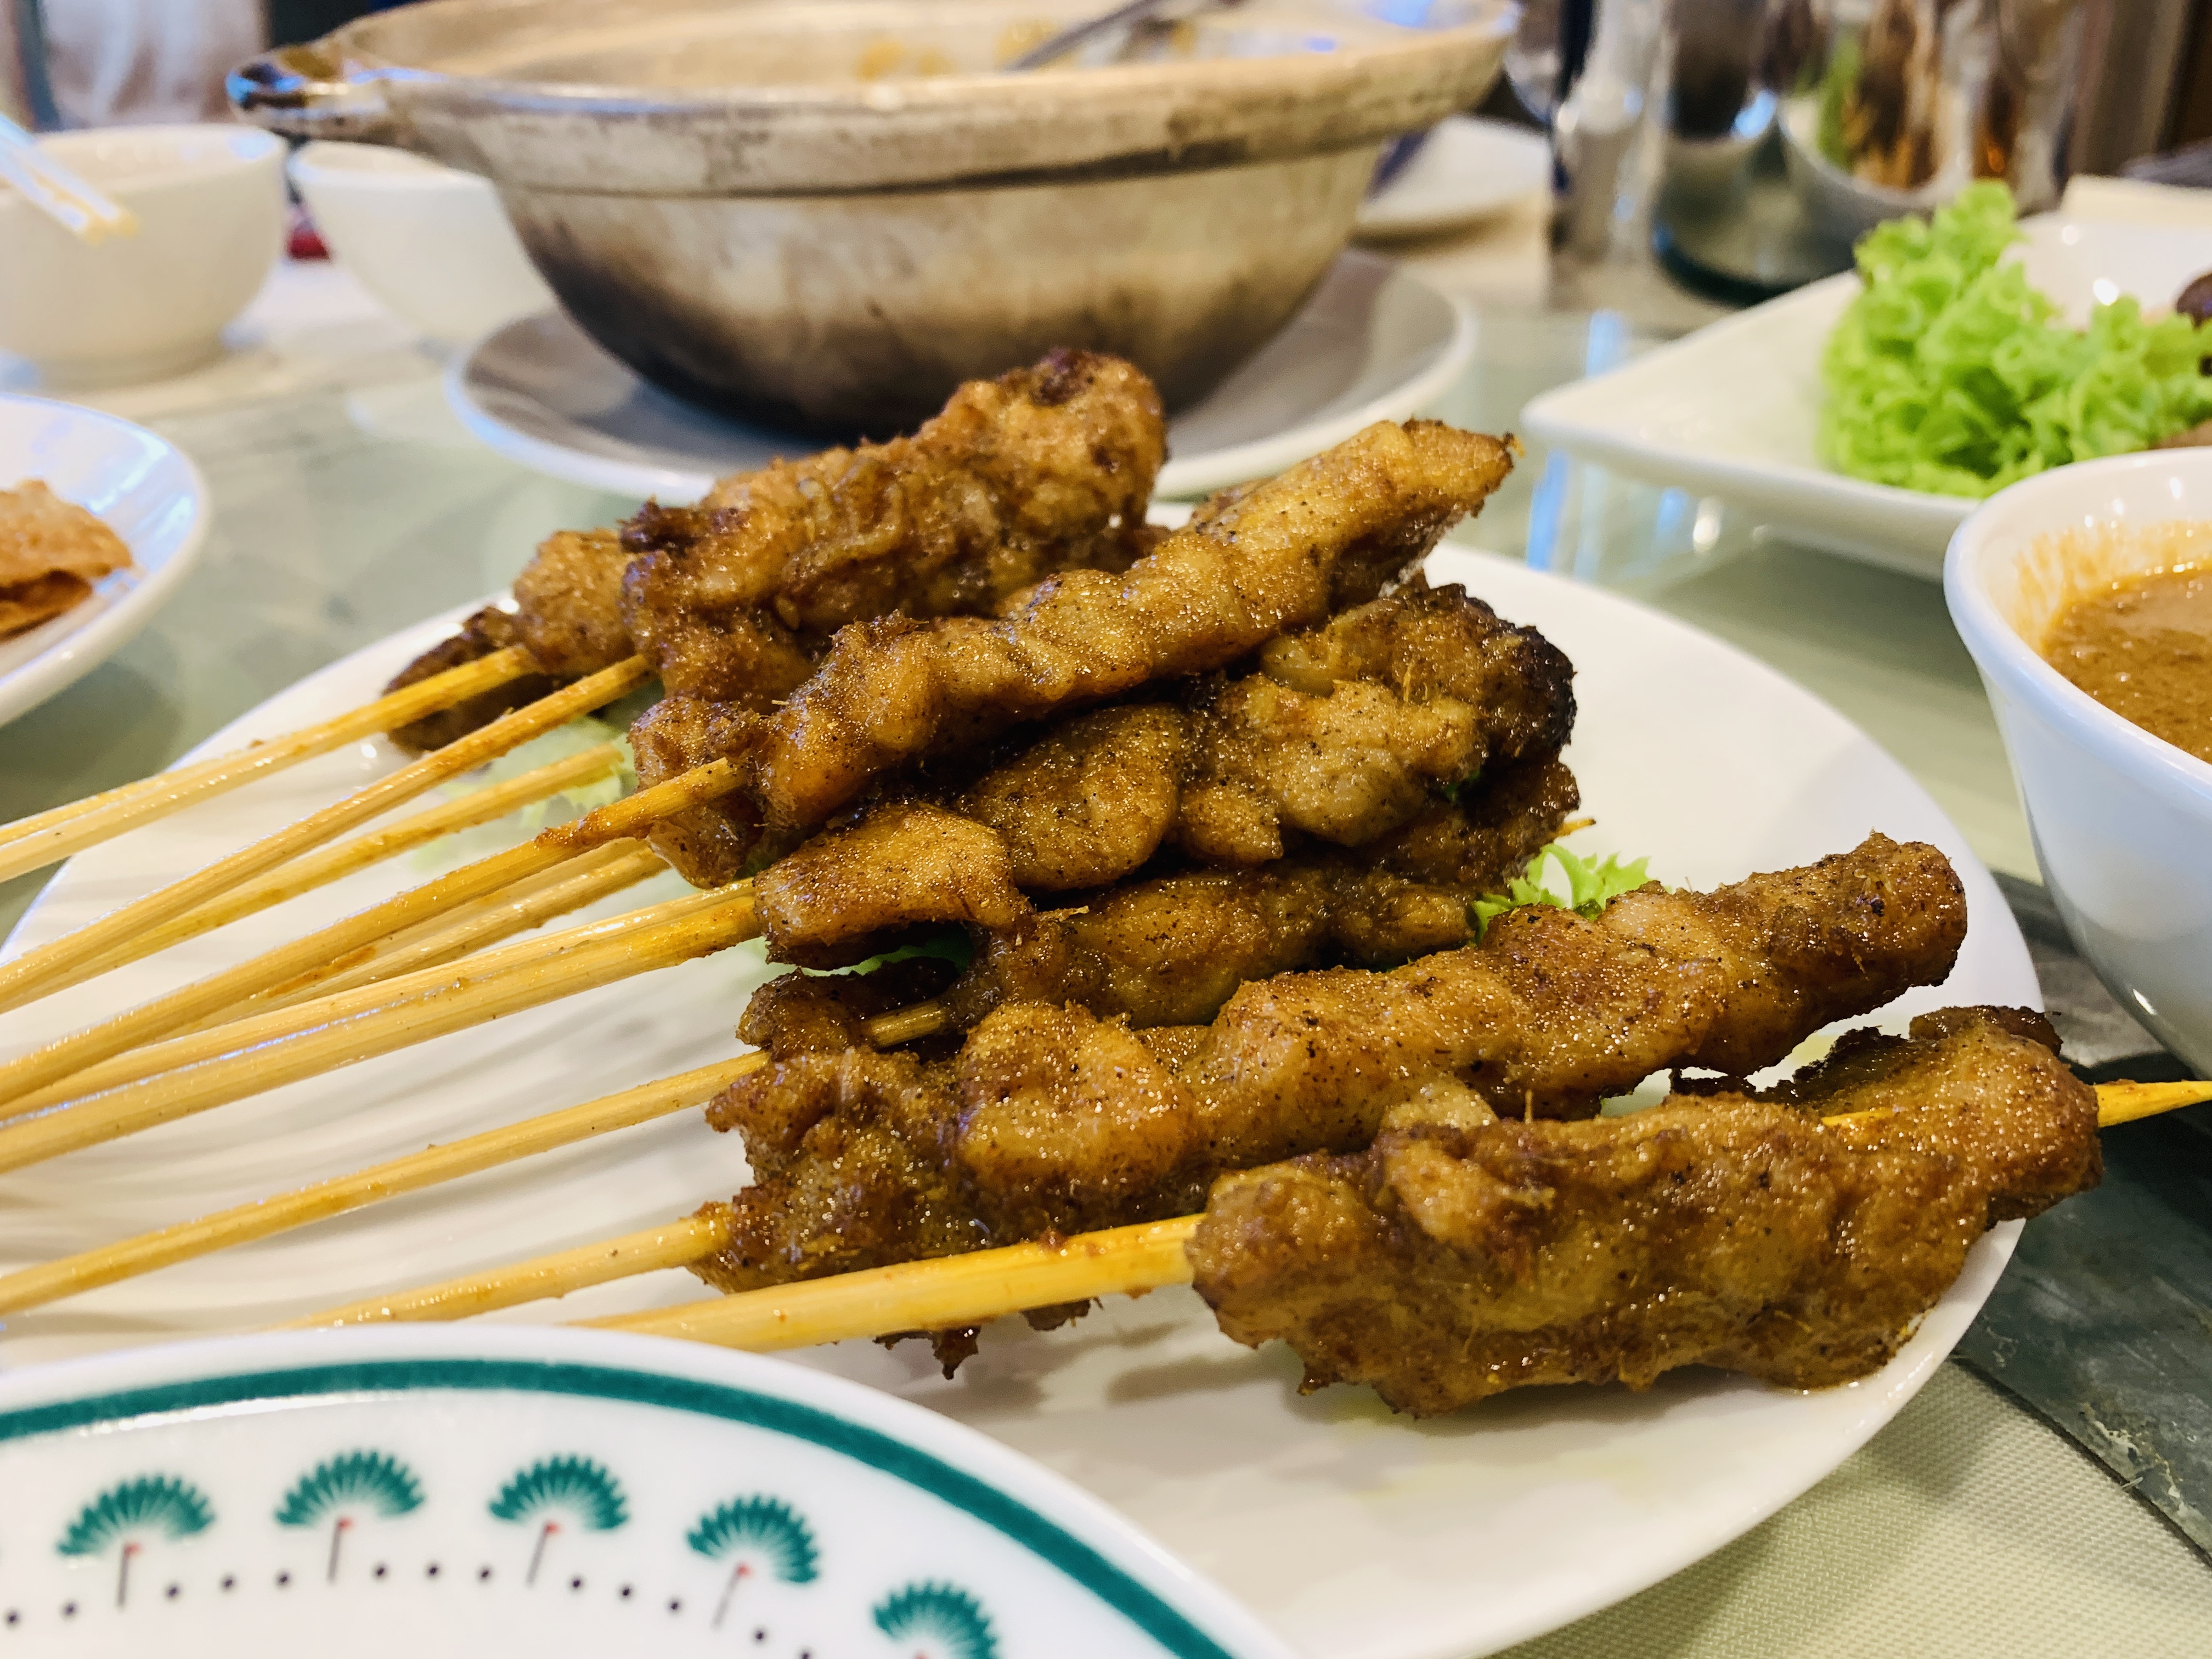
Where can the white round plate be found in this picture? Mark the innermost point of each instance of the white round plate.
(1372, 343)
(149, 495)
(1465, 170)
(452, 1493)
(1356, 1534)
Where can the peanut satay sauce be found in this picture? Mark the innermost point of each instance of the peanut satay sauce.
(2143, 648)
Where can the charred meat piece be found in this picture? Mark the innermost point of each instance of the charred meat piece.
(489, 630)
(1447, 1262)
(1350, 734)
(895, 692)
(1042, 469)
(1050, 1119)
(568, 603)
(1170, 951)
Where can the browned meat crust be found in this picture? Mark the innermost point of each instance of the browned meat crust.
(1042, 469)
(1325, 536)
(1050, 1119)
(568, 603)
(489, 630)
(1395, 700)
(902, 867)
(1447, 1262)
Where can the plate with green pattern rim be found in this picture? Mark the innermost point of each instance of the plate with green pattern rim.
(451, 1491)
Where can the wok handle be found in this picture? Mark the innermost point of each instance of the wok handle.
(305, 92)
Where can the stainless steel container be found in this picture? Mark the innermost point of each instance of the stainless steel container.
(824, 217)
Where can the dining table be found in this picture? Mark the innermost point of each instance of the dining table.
(1985, 1520)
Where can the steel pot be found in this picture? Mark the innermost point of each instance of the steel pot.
(824, 217)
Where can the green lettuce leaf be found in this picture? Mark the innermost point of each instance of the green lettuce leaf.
(1591, 886)
(1950, 374)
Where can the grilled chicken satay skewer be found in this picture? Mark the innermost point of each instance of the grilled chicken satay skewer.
(1043, 469)
(954, 1291)
(30, 975)
(1063, 455)
(1105, 955)
(319, 869)
(1581, 1047)
(1101, 955)
(47, 837)
(1517, 820)
(495, 1148)
(1284, 568)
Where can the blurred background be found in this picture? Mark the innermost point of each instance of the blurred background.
(2140, 74)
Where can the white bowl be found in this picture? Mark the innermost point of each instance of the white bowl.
(431, 242)
(2122, 820)
(209, 202)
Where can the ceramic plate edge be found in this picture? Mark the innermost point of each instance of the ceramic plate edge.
(76, 654)
(1046, 1495)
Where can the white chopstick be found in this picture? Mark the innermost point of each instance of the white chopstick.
(57, 190)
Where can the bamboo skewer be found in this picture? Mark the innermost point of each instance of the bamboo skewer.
(194, 1073)
(37, 1285)
(304, 875)
(46, 837)
(678, 1244)
(340, 944)
(29, 975)
(485, 922)
(944, 1292)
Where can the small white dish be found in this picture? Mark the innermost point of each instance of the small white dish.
(1734, 409)
(1466, 170)
(1372, 343)
(1353, 1533)
(210, 203)
(2121, 819)
(147, 492)
(431, 242)
(449, 1493)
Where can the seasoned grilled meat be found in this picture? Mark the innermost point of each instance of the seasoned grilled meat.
(1042, 469)
(1234, 772)
(1050, 1119)
(568, 603)
(895, 692)
(489, 630)
(1447, 1262)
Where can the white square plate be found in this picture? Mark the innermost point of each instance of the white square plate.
(1734, 409)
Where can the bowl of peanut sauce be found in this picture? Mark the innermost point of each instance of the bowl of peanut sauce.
(2085, 595)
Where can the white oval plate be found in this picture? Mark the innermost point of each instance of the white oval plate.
(1734, 409)
(1465, 170)
(149, 495)
(453, 1492)
(1357, 1535)
(1372, 343)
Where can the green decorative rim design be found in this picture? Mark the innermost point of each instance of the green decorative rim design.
(1043, 1538)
